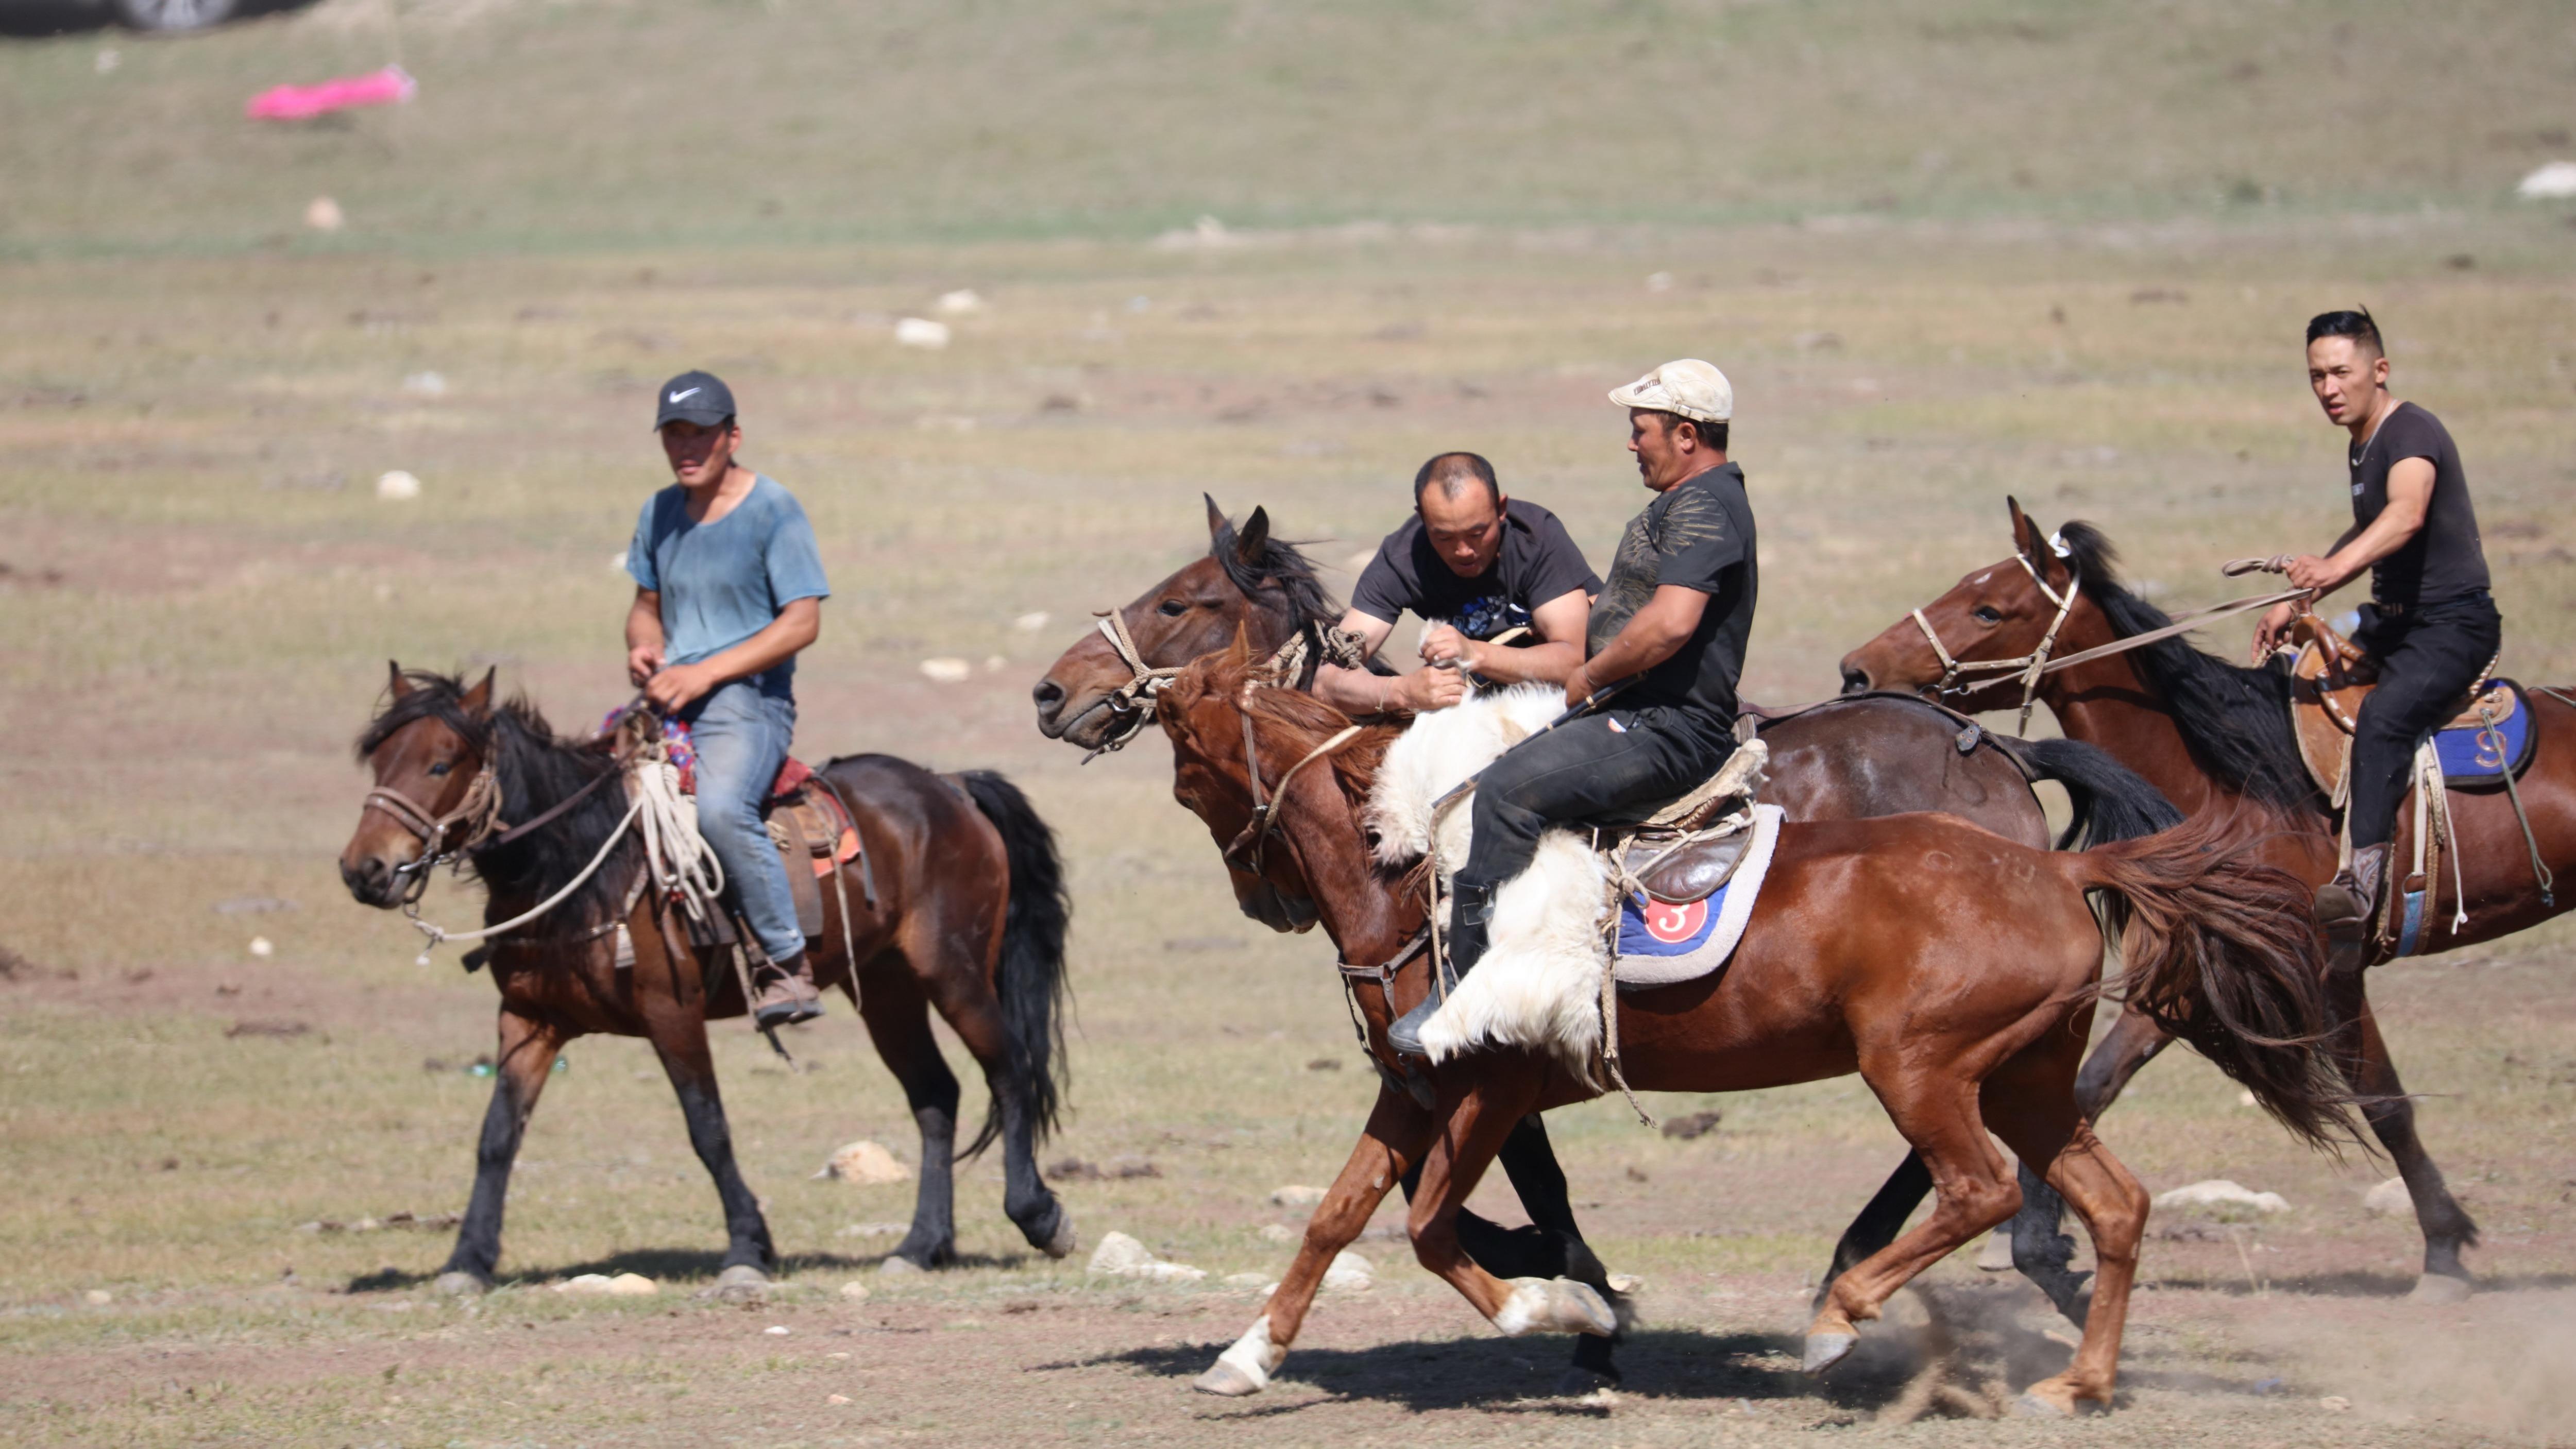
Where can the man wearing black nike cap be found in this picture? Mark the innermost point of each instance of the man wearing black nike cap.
(728, 590)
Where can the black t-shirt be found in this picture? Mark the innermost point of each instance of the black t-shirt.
(2443, 560)
(1698, 535)
(1538, 565)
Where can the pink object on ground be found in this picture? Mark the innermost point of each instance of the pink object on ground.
(386, 87)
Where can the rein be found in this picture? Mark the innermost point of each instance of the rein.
(1135, 698)
(2038, 664)
(1245, 851)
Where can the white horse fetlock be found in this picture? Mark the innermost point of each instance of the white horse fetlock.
(1526, 1309)
(1254, 1355)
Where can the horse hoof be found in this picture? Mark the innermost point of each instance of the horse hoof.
(1226, 1381)
(741, 1283)
(2032, 1406)
(2437, 1290)
(1578, 1383)
(1560, 1305)
(457, 1283)
(1824, 1350)
(1061, 1242)
(894, 1267)
(1997, 1255)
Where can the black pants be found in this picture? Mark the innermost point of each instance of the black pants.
(1618, 765)
(2428, 657)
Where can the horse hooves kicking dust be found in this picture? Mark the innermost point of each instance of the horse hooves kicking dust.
(1554, 1305)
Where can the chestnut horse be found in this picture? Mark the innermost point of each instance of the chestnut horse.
(960, 905)
(1845, 759)
(2216, 737)
(1952, 969)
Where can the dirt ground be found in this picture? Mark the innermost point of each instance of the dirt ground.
(208, 1053)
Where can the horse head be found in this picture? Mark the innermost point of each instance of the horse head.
(2006, 610)
(1249, 584)
(430, 751)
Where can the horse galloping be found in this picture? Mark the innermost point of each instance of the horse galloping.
(1952, 969)
(2216, 736)
(956, 901)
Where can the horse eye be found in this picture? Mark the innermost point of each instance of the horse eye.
(1173, 609)
(1986, 615)
(441, 768)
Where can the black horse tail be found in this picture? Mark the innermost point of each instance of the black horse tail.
(1031, 978)
(2112, 801)
(2220, 950)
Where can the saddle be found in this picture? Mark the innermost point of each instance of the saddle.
(2487, 734)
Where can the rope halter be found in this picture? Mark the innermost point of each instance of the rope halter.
(1133, 700)
(479, 812)
(2033, 664)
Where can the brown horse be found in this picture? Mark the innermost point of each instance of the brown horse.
(2216, 738)
(1846, 759)
(960, 905)
(1952, 969)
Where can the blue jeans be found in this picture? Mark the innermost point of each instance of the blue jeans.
(741, 736)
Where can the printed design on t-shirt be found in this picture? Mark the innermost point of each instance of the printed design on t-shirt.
(1673, 524)
(1487, 615)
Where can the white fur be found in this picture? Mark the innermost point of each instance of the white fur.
(1254, 1355)
(1441, 749)
(1525, 1309)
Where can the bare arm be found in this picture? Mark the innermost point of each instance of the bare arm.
(644, 636)
(2410, 495)
(1357, 691)
(1558, 623)
(795, 629)
(1654, 634)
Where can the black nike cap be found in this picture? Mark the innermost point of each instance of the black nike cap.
(693, 397)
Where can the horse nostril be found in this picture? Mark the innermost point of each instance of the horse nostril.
(1855, 679)
(1048, 694)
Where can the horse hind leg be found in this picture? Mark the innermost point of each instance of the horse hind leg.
(2362, 1055)
(2113, 1209)
(1538, 1180)
(898, 1021)
(1478, 1124)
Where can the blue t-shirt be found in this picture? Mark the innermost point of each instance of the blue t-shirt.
(725, 581)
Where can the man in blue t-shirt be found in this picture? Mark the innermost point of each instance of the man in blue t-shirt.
(728, 589)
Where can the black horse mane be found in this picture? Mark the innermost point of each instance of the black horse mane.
(536, 771)
(1280, 565)
(2236, 720)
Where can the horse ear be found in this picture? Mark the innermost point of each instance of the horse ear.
(401, 686)
(1251, 539)
(1216, 517)
(478, 700)
(2025, 533)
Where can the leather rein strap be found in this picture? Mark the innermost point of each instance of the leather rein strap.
(1245, 851)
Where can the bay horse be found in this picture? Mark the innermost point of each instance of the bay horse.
(1953, 969)
(1848, 758)
(961, 906)
(2216, 737)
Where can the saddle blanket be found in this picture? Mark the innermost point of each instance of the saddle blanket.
(1662, 942)
(2472, 755)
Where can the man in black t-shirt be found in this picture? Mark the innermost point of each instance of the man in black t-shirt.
(1671, 622)
(2430, 621)
(1473, 564)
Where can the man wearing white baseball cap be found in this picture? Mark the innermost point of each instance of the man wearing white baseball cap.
(1667, 632)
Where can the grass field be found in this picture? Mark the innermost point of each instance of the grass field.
(1443, 233)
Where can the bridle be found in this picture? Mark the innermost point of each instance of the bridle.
(480, 811)
(2034, 664)
(1297, 659)
(2038, 663)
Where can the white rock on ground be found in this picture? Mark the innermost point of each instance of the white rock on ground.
(945, 670)
(1279, 1233)
(1350, 1273)
(98, 1298)
(624, 1285)
(2219, 1194)
(1031, 622)
(259, 946)
(2550, 182)
(855, 1291)
(964, 302)
(921, 332)
(1294, 1196)
(1246, 1280)
(397, 487)
(1120, 1256)
(866, 1163)
(2389, 1200)
(323, 214)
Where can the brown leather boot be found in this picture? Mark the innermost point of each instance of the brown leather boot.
(783, 993)
(2347, 908)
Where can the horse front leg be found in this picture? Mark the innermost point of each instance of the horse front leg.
(1530, 1162)
(679, 1036)
(527, 1054)
(1396, 1131)
(1491, 1107)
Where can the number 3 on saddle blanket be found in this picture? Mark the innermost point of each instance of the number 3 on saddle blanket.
(809, 824)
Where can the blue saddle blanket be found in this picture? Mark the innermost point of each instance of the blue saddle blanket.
(2474, 755)
(1649, 927)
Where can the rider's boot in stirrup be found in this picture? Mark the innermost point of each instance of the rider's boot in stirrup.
(783, 993)
(2347, 908)
(1471, 910)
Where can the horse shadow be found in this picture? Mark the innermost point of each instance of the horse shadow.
(1756, 1372)
(669, 1265)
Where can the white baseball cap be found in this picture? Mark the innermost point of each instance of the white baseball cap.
(1690, 388)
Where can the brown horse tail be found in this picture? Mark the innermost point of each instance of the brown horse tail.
(2220, 950)
(1030, 979)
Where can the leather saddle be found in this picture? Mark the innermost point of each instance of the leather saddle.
(814, 835)
(2330, 677)
(1721, 807)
